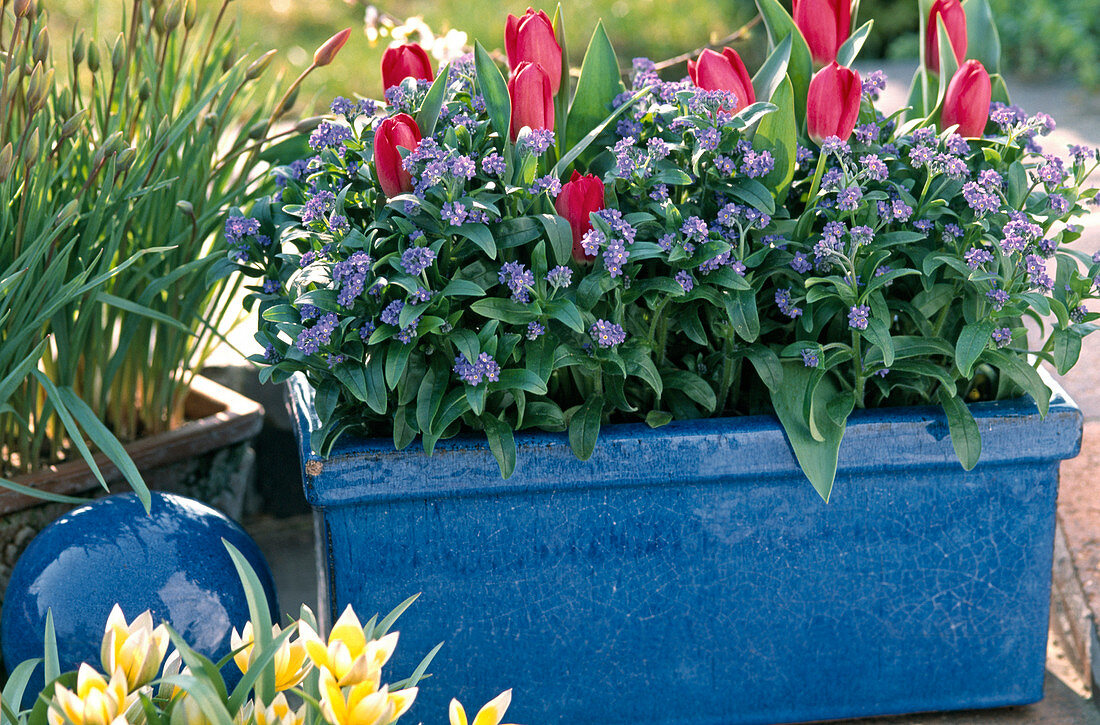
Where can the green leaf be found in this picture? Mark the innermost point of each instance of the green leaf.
(258, 613)
(501, 442)
(565, 312)
(377, 394)
(579, 148)
(965, 436)
(480, 235)
(658, 418)
(741, 308)
(353, 376)
(1067, 349)
(584, 427)
(693, 387)
(520, 379)
(600, 82)
(846, 54)
(818, 459)
(396, 360)
(51, 664)
(509, 311)
(973, 339)
(801, 67)
(753, 193)
(143, 311)
(463, 288)
(1022, 374)
(983, 42)
(767, 365)
(430, 394)
(495, 91)
(560, 235)
(879, 334)
(778, 134)
(774, 71)
(428, 115)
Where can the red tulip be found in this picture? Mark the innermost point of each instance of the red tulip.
(532, 98)
(725, 72)
(954, 19)
(531, 39)
(832, 102)
(967, 100)
(825, 24)
(405, 61)
(400, 130)
(579, 197)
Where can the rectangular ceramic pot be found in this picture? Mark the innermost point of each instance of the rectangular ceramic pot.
(690, 574)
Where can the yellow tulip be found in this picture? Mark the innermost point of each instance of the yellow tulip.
(137, 648)
(279, 713)
(96, 701)
(290, 659)
(491, 714)
(348, 655)
(360, 704)
(187, 711)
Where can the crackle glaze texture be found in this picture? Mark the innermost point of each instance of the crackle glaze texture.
(171, 561)
(690, 574)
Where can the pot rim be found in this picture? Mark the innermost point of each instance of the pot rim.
(748, 449)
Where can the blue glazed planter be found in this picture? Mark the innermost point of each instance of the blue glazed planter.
(690, 574)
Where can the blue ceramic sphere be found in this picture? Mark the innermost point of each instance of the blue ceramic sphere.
(171, 561)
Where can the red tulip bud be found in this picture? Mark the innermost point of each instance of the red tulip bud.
(967, 100)
(405, 61)
(327, 52)
(400, 130)
(579, 197)
(825, 24)
(832, 102)
(531, 39)
(954, 19)
(725, 72)
(532, 98)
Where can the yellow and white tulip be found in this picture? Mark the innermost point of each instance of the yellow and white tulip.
(348, 655)
(491, 714)
(96, 701)
(136, 648)
(291, 666)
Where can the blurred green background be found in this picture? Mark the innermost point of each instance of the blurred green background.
(1044, 37)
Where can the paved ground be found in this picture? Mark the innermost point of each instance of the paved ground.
(289, 543)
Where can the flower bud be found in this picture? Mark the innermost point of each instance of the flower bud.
(531, 39)
(725, 72)
(41, 48)
(79, 48)
(93, 57)
(23, 8)
(145, 90)
(291, 99)
(30, 149)
(257, 130)
(954, 19)
(73, 123)
(405, 61)
(532, 99)
(257, 67)
(67, 214)
(126, 159)
(211, 120)
(230, 56)
(327, 52)
(190, 14)
(307, 125)
(579, 197)
(825, 24)
(6, 162)
(832, 103)
(398, 131)
(966, 102)
(118, 53)
(186, 207)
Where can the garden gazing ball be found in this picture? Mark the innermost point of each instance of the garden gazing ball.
(171, 561)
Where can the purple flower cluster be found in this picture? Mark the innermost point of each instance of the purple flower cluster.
(560, 276)
(981, 198)
(538, 141)
(519, 280)
(330, 135)
(606, 334)
(317, 206)
(415, 260)
(976, 257)
(810, 358)
(238, 227)
(311, 339)
(1002, 336)
(683, 278)
(858, 317)
(755, 165)
(785, 304)
(351, 275)
(483, 368)
(493, 164)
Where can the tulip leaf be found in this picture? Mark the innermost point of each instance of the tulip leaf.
(924, 9)
(982, 39)
(599, 84)
(51, 664)
(801, 66)
(778, 134)
(501, 442)
(965, 436)
(584, 143)
(773, 72)
(260, 615)
(948, 64)
(916, 95)
(846, 54)
(999, 89)
(495, 91)
(561, 101)
(428, 115)
(818, 458)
